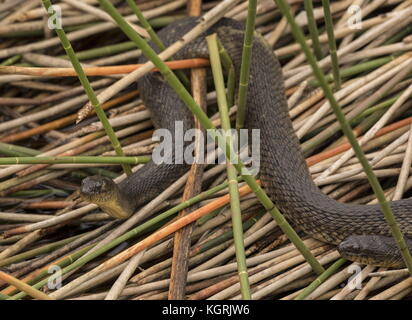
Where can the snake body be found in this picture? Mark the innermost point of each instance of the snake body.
(361, 230)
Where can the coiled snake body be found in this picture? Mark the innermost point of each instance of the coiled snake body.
(361, 230)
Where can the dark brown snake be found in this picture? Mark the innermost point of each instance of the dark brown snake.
(360, 230)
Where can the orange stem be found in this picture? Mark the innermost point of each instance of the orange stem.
(168, 230)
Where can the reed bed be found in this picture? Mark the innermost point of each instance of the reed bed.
(50, 139)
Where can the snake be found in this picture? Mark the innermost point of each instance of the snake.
(360, 231)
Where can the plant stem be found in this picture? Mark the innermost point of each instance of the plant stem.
(230, 69)
(37, 251)
(319, 280)
(153, 36)
(356, 69)
(128, 235)
(11, 60)
(24, 287)
(73, 160)
(332, 43)
(181, 91)
(17, 151)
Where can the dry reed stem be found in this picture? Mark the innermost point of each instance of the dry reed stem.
(99, 71)
(382, 121)
(353, 283)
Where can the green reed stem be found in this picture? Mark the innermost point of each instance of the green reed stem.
(39, 193)
(62, 263)
(231, 171)
(347, 130)
(4, 185)
(399, 35)
(332, 43)
(88, 89)
(245, 66)
(185, 96)
(153, 36)
(112, 49)
(229, 234)
(37, 251)
(355, 69)
(103, 51)
(319, 280)
(17, 151)
(313, 28)
(75, 160)
(331, 130)
(230, 69)
(10, 61)
(379, 107)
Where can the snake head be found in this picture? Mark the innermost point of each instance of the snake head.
(376, 250)
(105, 193)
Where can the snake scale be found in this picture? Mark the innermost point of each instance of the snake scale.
(361, 231)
